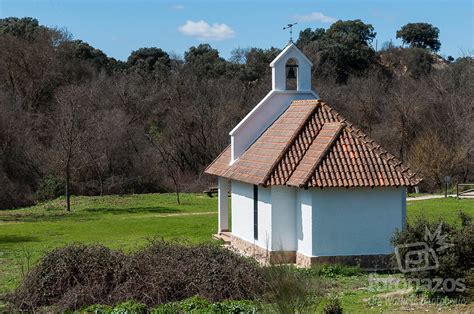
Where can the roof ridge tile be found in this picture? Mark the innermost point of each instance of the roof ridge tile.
(301, 181)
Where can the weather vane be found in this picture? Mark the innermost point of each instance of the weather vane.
(290, 26)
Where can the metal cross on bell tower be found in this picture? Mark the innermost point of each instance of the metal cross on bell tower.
(290, 27)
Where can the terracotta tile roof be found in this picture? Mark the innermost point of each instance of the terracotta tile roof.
(258, 161)
(311, 145)
(221, 164)
(315, 154)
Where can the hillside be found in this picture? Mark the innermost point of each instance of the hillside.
(95, 125)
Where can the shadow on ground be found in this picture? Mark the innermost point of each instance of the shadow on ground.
(4, 239)
(38, 217)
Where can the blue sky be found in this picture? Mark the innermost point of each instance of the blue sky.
(118, 27)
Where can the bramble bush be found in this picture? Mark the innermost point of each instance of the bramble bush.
(165, 272)
(70, 278)
(455, 262)
(77, 275)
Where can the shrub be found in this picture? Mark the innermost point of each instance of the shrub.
(129, 307)
(70, 278)
(195, 303)
(166, 272)
(333, 306)
(96, 309)
(79, 275)
(49, 188)
(290, 290)
(470, 285)
(199, 305)
(455, 262)
(234, 307)
(335, 270)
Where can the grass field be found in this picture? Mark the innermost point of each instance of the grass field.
(445, 209)
(123, 222)
(128, 222)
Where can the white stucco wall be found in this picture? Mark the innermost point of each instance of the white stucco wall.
(283, 218)
(319, 222)
(304, 214)
(358, 221)
(261, 117)
(242, 210)
(242, 214)
(264, 218)
(223, 186)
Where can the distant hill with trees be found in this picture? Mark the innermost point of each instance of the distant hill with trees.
(73, 120)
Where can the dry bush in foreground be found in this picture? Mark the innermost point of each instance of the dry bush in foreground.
(79, 275)
(165, 272)
(70, 277)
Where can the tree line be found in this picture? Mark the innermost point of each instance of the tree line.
(75, 121)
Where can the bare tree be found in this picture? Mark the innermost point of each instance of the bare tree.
(168, 163)
(70, 123)
(434, 159)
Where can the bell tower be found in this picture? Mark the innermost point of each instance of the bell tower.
(291, 61)
(291, 80)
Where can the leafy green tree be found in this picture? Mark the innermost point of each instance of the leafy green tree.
(307, 36)
(149, 60)
(257, 61)
(352, 31)
(346, 48)
(420, 35)
(26, 27)
(205, 61)
(83, 51)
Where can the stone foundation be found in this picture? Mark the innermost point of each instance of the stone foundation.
(264, 256)
(366, 262)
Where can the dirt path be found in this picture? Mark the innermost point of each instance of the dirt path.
(427, 197)
(181, 214)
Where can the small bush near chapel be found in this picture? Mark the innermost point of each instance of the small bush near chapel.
(450, 255)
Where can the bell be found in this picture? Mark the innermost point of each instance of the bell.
(291, 72)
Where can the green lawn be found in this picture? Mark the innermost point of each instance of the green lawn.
(445, 209)
(127, 222)
(123, 222)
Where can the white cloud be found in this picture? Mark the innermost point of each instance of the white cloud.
(178, 7)
(314, 17)
(203, 31)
